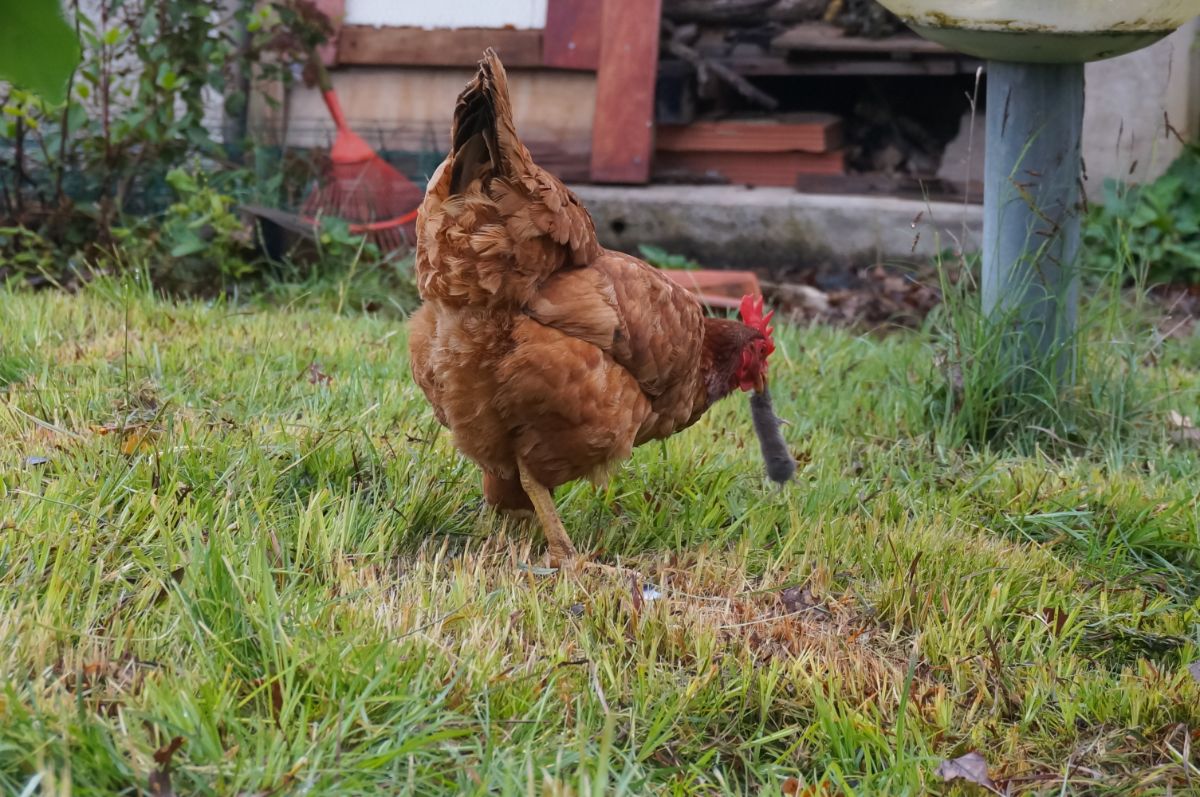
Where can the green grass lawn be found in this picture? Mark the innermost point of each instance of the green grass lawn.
(240, 527)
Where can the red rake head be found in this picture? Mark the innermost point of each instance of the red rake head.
(752, 316)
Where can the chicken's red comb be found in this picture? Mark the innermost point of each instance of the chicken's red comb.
(752, 316)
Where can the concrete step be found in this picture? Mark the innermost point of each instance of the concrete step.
(778, 228)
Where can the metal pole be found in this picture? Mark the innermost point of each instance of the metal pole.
(1031, 204)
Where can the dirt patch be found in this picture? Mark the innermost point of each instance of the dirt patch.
(880, 299)
(871, 298)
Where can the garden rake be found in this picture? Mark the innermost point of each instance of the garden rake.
(361, 187)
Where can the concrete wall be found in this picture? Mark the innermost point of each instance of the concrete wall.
(727, 225)
(1129, 101)
(1124, 128)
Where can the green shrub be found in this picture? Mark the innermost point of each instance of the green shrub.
(198, 243)
(1151, 229)
(24, 254)
(661, 258)
(82, 174)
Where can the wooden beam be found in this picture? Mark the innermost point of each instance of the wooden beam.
(816, 132)
(406, 112)
(572, 38)
(623, 131)
(748, 168)
(825, 38)
(818, 64)
(362, 45)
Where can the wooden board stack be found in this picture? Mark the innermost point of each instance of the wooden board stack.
(761, 152)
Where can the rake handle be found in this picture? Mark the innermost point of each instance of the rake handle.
(325, 84)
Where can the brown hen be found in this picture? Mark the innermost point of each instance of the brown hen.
(547, 356)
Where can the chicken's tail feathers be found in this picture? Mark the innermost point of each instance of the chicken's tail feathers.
(483, 139)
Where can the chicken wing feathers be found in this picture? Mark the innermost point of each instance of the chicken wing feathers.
(647, 324)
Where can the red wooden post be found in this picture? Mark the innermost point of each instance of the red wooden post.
(572, 35)
(623, 130)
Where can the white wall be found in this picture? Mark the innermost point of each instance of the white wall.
(447, 13)
(1128, 102)
(1124, 129)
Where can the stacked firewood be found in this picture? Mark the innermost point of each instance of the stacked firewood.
(754, 22)
(734, 60)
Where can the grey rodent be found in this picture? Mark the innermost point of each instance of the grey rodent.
(780, 464)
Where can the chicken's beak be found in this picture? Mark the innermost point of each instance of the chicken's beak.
(760, 384)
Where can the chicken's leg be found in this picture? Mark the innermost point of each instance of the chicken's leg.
(561, 550)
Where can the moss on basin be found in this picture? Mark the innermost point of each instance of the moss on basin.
(1007, 43)
(1045, 31)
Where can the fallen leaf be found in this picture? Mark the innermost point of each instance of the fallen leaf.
(1194, 669)
(576, 610)
(1182, 429)
(289, 777)
(160, 779)
(666, 757)
(318, 377)
(1055, 618)
(1179, 421)
(792, 788)
(136, 438)
(31, 461)
(139, 440)
(797, 598)
(971, 767)
(636, 593)
(276, 693)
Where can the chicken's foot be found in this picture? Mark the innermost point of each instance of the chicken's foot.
(562, 552)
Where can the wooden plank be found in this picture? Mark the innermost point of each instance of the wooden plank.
(408, 110)
(336, 11)
(722, 289)
(749, 168)
(572, 35)
(623, 131)
(820, 37)
(779, 66)
(816, 132)
(362, 45)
